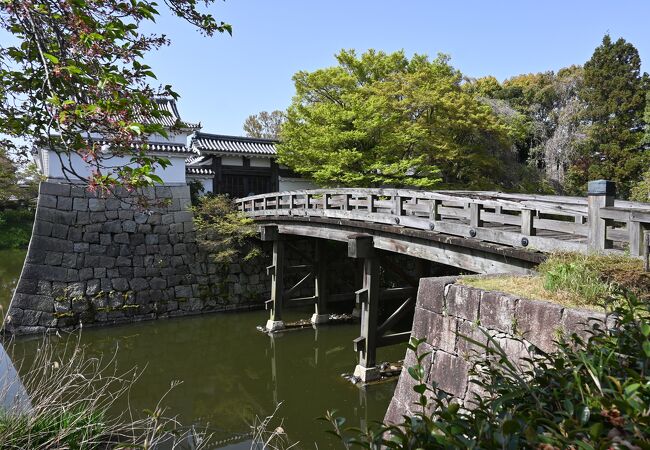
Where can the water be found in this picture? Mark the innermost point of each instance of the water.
(231, 373)
(11, 263)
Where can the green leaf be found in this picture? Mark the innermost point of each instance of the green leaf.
(53, 59)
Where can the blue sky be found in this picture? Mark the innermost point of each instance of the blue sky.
(224, 79)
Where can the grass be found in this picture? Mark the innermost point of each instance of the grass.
(72, 403)
(15, 227)
(574, 280)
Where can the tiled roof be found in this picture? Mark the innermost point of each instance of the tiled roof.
(174, 117)
(166, 147)
(158, 147)
(218, 143)
(199, 171)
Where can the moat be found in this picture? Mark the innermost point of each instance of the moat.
(231, 372)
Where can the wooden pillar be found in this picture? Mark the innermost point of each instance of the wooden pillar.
(276, 270)
(321, 286)
(475, 215)
(527, 222)
(216, 181)
(601, 194)
(361, 246)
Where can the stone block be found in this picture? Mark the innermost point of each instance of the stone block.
(138, 284)
(75, 234)
(120, 284)
(33, 302)
(121, 238)
(449, 372)
(80, 204)
(47, 201)
(129, 226)
(69, 260)
(539, 322)
(112, 204)
(105, 239)
(112, 215)
(582, 322)
(183, 291)
(64, 203)
(113, 226)
(43, 272)
(97, 249)
(183, 216)
(463, 302)
(86, 273)
(123, 261)
(438, 330)
(106, 261)
(179, 249)
(125, 214)
(431, 293)
(498, 311)
(140, 217)
(55, 189)
(167, 219)
(139, 272)
(56, 216)
(60, 231)
(125, 271)
(97, 204)
(91, 237)
(151, 239)
(83, 218)
(42, 228)
(137, 239)
(99, 272)
(78, 191)
(98, 217)
(71, 275)
(53, 258)
(471, 330)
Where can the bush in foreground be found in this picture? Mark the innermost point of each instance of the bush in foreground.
(592, 393)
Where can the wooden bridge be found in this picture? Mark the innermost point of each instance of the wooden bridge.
(480, 232)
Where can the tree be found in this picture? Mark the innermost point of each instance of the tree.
(614, 95)
(383, 119)
(76, 72)
(265, 125)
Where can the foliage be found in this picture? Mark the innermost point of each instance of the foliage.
(72, 405)
(265, 125)
(592, 393)
(223, 231)
(384, 119)
(16, 227)
(76, 72)
(614, 94)
(574, 279)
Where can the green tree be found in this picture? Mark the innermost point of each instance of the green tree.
(384, 119)
(75, 70)
(265, 125)
(614, 95)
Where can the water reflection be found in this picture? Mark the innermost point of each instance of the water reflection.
(11, 263)
(232, 373)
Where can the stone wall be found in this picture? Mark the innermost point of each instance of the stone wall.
(96, 261)
(445, 311)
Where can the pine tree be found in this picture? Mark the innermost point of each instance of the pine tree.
(614, 94)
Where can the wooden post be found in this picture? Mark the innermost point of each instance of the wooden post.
(292, 201)
(636, 232)
(346, 202)
(276, 270)
(646, 251)
(397, 205)
(601, 194)
(326, 201)
(321, 286)
(361, 246)
(434, 216)
(475, 215)
(527, 222)
(307, 201)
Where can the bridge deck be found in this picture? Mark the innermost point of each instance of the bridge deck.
(532, 222)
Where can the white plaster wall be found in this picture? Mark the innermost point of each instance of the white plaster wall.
(293, 184)
(173, 174)
(232, 161)
(207, 185)
(260, 162)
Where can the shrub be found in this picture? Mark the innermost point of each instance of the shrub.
(591, 393)
(223, 231)
(16, 227)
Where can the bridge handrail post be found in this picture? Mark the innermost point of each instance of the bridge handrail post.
(398, 205)
(600, 194)
(475, 209)
(527, 222)
(308, 200)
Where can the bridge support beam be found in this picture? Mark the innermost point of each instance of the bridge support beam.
(321, 286)
(361, 246)
(276, 270)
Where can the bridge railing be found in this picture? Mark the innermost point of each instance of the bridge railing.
(543, 223)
